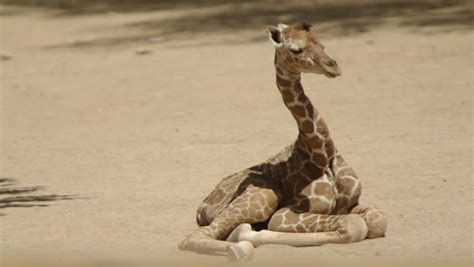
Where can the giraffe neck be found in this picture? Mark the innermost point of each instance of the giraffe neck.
(313, 140)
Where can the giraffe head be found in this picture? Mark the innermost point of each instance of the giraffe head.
(301, 51)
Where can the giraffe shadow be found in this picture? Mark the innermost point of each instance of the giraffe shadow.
(14, 196)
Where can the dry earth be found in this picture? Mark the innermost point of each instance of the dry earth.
(127, 145)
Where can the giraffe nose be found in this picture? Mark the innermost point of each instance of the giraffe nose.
(331, 63)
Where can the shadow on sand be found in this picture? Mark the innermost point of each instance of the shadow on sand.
(232, 17)
(21, 197)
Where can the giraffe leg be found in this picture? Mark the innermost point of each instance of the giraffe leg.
(349, 189)
(348, 186)
(375, 219)
(254, 205)
(304, 229)
(201, 242)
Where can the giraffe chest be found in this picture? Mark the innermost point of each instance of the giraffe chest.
(316, 194)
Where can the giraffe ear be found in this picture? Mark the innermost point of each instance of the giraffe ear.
(274, 35)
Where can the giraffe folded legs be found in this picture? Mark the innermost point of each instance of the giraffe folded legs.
(304, 229)
(254, 205)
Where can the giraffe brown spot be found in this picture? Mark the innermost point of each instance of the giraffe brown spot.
(342, 203)
(302, 153)
(255, 199)
(283, 82)
(275, 222)
(316, 142)
(298, 88)
(310, 170)
(318, 206)
(301, 143)
(279, 71)
(307, 126)
(302, 98)
(309, 220)
(241, 218)
(252, 212)
(269, 210)
(297, 204)
(298, 111)
(216, 196)
(300, 228)
(310, 109)
(330, 148)
(293, 177)
(259, 216)
(297, 159)
(282, 171)
(291, 218)
(320, 159)
(300, 184)
(288, 96)
(322, 128)
(347, 172)
(345, 185)
(324, 189)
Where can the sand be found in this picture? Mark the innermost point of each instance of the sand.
(126, 145)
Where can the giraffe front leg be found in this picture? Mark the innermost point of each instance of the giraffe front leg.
(287, 227)
(375, 219)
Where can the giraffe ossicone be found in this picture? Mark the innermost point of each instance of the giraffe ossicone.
(306, 195)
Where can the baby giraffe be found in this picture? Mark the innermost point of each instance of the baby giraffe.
(306, 195)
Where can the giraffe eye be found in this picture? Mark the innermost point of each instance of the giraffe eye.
(296, 51)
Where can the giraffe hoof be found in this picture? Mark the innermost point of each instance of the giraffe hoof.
(239, 232)
(241, 251)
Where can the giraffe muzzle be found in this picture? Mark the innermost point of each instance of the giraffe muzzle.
(331, 68)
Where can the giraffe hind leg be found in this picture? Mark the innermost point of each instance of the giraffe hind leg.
(254, 205)
(375, 219)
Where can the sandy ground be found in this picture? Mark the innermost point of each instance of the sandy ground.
(135, 142)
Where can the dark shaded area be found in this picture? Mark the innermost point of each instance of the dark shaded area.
(462, 17)
(206, 17)
(264, 176)
(347, 18)
(9, 12)
(81, 7)
(19, 190)
(20, 197)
